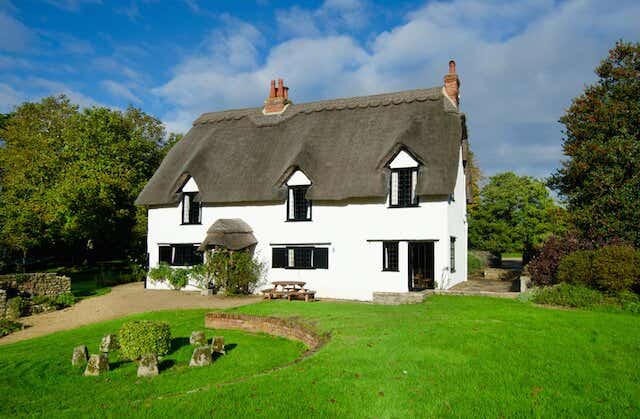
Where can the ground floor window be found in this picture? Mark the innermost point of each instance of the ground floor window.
(180, 254)
(452, 253)
(300, 257)
(390, 256)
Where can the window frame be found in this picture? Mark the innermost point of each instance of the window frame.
(412, 187)
(452, 254)
(289, 263)
(394, 244)
(173, 248)
(191, 197)
(309, 207)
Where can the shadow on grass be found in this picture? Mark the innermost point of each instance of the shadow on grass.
(166, 364)
(177, 343)
(117, 364)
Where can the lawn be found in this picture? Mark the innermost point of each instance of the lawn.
(451, 356)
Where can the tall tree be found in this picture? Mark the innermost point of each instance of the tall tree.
(70, 177)
(601, 177)
(514, 214)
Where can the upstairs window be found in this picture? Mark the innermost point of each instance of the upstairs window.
(390, 256)
(190, 208)
(298, 206)
(403, 187)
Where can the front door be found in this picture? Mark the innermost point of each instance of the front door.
(421, 266)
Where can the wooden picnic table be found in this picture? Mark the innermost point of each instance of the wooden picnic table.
(289, 290)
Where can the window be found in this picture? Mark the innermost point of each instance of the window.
(180, 254)
(390, 256)
(190, 208)
(403, 187)
(452, 253)
(298, 207)
(300, 257)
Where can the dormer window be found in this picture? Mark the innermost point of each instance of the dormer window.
(403, 181)
(191, 207)
(298, 206)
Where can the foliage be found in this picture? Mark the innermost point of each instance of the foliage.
(63, 300)
(534, 362)
(179, 278)
(8, 326)
(16, 307)
(616, 268)
(577, 268)
(235, 272)
(474, 172)
(160, 273)
(569, 295)
(70, 178)
(602, 127)
(514, 214)
(141, 337)
(544, 266)
(474, 263)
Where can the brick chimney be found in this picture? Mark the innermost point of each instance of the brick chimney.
(278, 98)
(452, 84)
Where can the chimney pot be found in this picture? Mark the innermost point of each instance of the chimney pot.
(452, 84)
(278, 98)
(272, 89)
(452, 67)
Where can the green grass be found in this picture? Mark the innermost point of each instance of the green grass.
(451, 356)
(96, 280)
(512, 255)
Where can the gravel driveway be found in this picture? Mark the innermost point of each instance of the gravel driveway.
(121, 301)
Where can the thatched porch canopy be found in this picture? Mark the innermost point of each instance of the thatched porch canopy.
(231, 233)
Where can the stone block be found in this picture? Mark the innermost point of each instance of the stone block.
(201, 357)
(148, 366)
(80, 355)
(217, 345)
(198, 338)
(109, 343)
(97, 364)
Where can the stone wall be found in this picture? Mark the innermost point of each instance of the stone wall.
(40, 283)
(3, 303)
(397, 298)
(271, 325)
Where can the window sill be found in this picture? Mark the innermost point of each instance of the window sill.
(190, 224)
(404, 206)
(297, 221)
(391, 270)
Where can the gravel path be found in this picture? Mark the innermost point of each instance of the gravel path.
(121, 301)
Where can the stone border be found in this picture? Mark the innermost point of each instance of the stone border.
(286, 328)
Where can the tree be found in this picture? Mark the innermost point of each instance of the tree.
(70, 177)
(514, 214)
(600, 180)
(474, 172)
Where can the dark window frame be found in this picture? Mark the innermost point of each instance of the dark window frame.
(308, 208)
(387, 266)
(314, 263)
(195, 257)
(194, 217)
(407, 174)
(452, 254)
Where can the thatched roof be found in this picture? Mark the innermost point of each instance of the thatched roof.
(342, 145)
(232, 233)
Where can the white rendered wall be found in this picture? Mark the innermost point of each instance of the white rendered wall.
(351, 232)
(457, 219)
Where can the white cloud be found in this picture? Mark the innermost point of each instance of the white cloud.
(15, 36)
(333, 16)
(520, 64)
(120, 90)
(43, 87)
(9, 98)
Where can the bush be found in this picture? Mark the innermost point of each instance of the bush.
(236, 272)
(616, 268)
(141, 337)
(544, 266)
(15, 308)
(8, 326)
(63, 300)
(474, 263)
(179, 278)
(160, 273)
(576, 268)
(568, 295)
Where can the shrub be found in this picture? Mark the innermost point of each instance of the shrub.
(568, 295)
(63, 300)
(8, 326)
(616, 268)
(474, 263)
(576, 268)
(236, 272)
(179, 278)
(15, 308)
(141, 337)
(544, 266)
(160, 273)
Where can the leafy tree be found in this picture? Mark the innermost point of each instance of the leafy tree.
(70, 177)
(473, 170)
(514, 214)
(600, 179)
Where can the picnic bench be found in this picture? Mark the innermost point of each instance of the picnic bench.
(290, 290)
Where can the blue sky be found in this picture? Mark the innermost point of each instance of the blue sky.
(520, 63)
